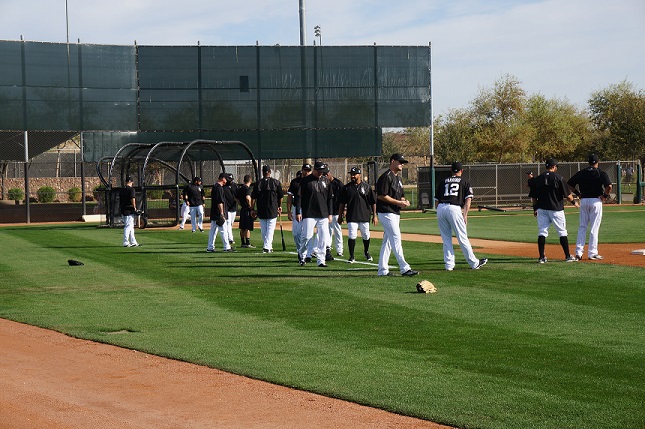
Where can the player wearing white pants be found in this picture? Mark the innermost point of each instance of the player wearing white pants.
(454, 195)
(590, 217)
(212, 236)
(335, 235)
(218, 216)
(547, 217)
(595, 187)
(267, 229)
(391, 244)
(292, 200)
(128, 231)
(268, 195)
(450, 218)
(194, 198)
(197, 217)
(230, 220)
(314, 210)
(335, 239)
(319, 240)
(128, 206)
(548, 190)
(389, 202)
(184, 212)
(354, 227)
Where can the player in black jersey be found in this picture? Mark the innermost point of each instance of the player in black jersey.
(267, 196)
(246, 220)
(547, 194)
(595, 187)
(454, 196)
(314, 209)
(359, 200)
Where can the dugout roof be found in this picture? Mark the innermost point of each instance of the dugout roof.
(282, 101)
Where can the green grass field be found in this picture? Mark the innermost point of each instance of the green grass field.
(513, 345)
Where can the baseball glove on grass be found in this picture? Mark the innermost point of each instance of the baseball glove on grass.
(424, 286)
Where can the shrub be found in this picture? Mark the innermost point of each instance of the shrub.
(154, 194)
(46, 194)
(16, 194)
(75, 194)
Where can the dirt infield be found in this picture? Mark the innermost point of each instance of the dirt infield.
(51, 381)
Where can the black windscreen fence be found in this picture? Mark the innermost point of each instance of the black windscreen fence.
(282, 101)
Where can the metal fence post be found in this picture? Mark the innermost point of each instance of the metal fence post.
(619, 174)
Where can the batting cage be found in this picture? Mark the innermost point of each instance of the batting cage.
(161, 171)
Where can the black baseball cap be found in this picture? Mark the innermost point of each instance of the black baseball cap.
(265, 169)
(197, 179)
(306, 166)
(551, 162)
(230, 177)
(593, 158)
(321, 166)
(355, 170)
(456, 167)
(128, 179)
(398, 157)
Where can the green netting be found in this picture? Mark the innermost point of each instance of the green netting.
(282, 101)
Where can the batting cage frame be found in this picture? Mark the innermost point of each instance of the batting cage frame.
(161, 170)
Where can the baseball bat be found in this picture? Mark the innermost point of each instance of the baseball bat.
(284, 246)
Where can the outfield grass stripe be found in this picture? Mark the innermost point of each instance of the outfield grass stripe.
(511, 345)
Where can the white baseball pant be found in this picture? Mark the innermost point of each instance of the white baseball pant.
(451, 219)
(590, 215)
(391, 243)
(322, 237)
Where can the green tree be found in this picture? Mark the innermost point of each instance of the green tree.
(618, 115)
(453, 137)
(500, 133)
(557, 128)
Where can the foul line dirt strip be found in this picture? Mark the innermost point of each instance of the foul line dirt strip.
(51, 381)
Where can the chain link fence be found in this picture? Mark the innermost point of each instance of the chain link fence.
(54, 184)
(506, 185)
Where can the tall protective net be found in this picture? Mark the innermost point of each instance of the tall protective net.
(283, 102)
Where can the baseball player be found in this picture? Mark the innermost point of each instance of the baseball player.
(454, 197)
(548, 191)
(128, 203)
(231, 206)
(314, 210)
(595, 187)
(194, 197)
(335, 230)
(184, 212)
(246, 220)
(218, 216)
(389, 202)
(358, 198)
(293, 193)
(268, 195)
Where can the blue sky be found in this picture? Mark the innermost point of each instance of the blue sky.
(564, 49)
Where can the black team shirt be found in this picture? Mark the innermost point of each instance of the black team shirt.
(268, 193)
(454, 190)
(358, 200)
(549, 189)
(389, 184)
(315, 197)
(194, 194)
(217, 197)
(591, 182)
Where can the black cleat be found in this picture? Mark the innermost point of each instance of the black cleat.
(410, 273)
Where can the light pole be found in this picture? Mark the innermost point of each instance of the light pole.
(318, 34)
